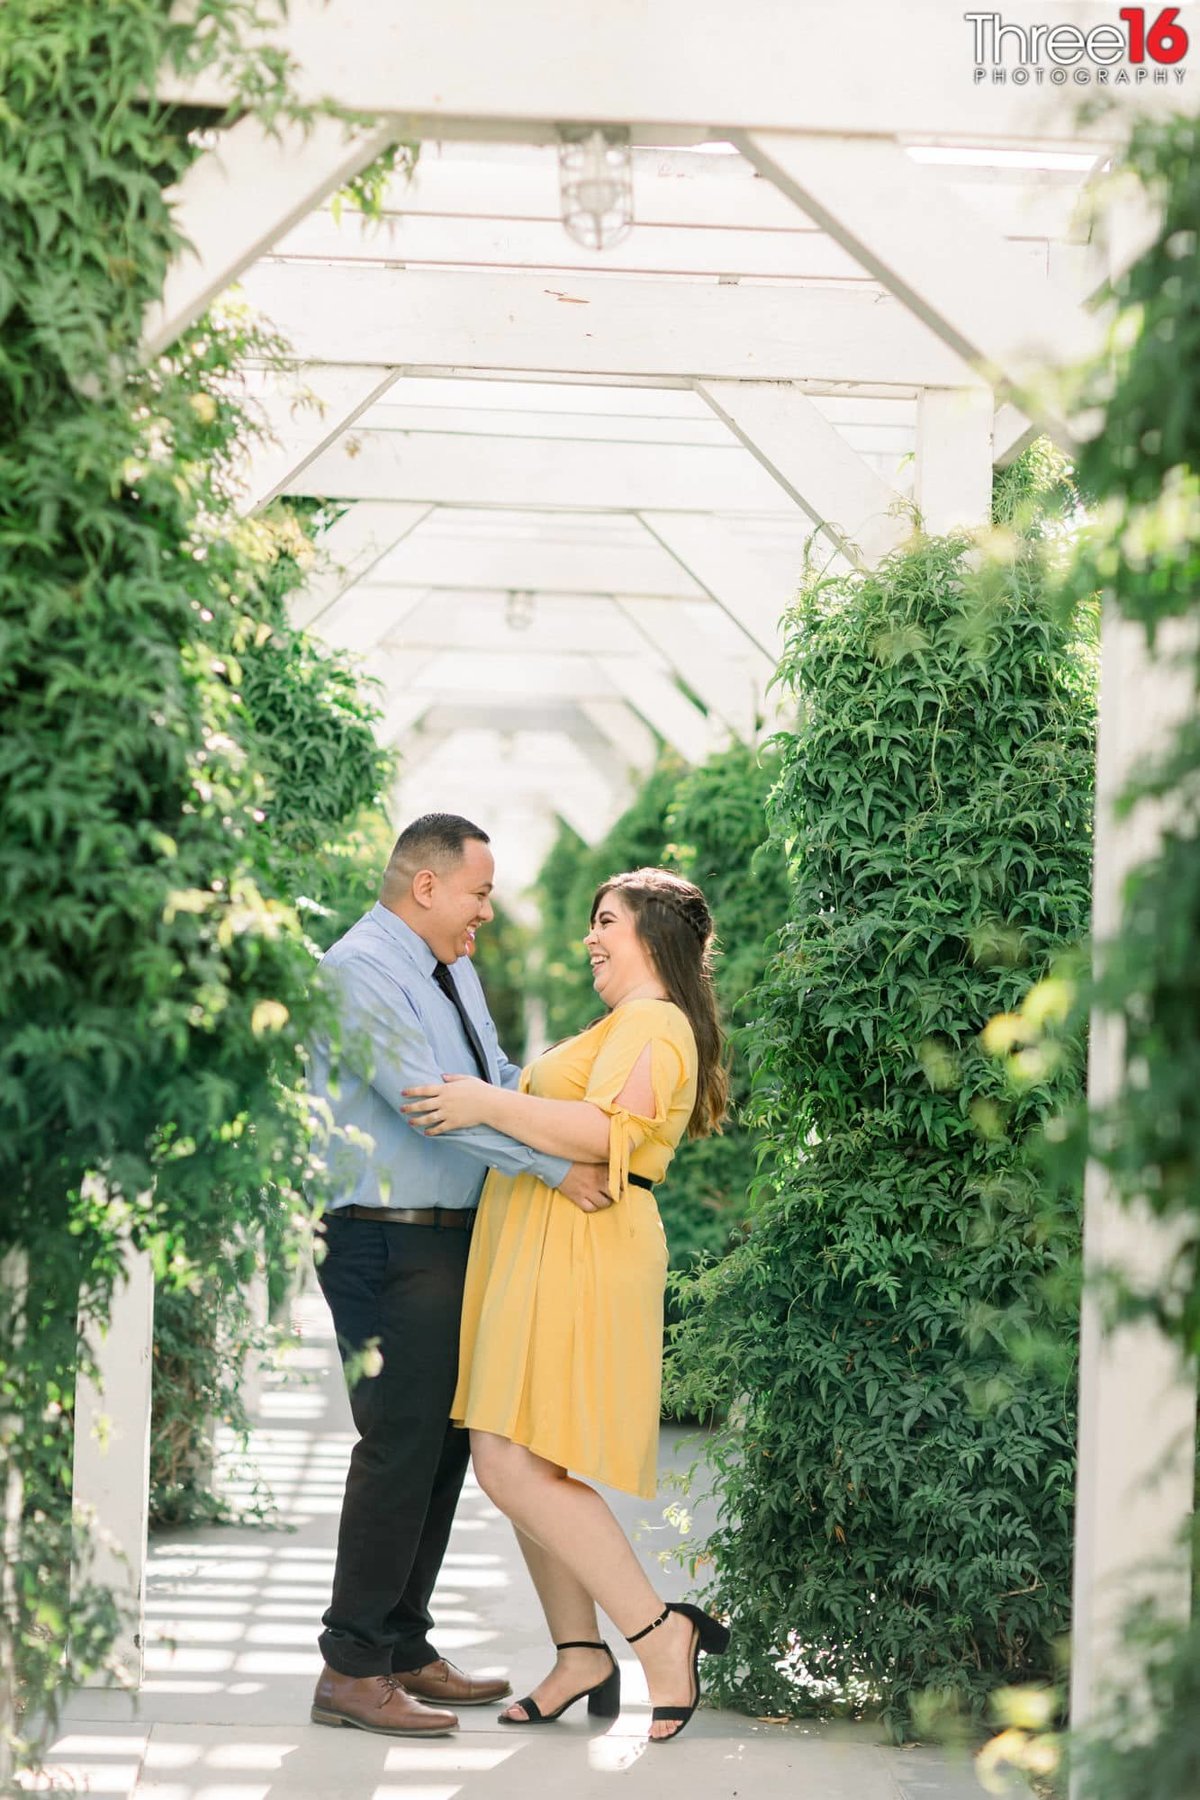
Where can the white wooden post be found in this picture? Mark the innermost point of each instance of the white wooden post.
(111, 1482)
(1137, 1403)
(258, 1307)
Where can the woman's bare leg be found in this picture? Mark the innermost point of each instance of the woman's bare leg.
(571, 1522)
(571, 1618)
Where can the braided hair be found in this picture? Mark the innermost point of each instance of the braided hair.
(672, 920)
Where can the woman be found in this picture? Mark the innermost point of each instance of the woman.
(561, 1360)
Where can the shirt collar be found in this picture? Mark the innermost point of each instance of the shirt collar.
(408, 939)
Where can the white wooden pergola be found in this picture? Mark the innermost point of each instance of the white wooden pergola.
(580, 484)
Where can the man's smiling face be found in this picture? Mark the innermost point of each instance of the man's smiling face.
(459, 902)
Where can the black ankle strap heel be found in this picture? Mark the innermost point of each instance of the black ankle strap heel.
(652, 1626)
(604, 1698)
(709, 1635)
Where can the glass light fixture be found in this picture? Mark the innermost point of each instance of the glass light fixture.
(595, 184)
(518, 609)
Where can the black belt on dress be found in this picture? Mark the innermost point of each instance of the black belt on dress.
(442, 1218)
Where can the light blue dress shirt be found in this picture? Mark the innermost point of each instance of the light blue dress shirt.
(400, 1031)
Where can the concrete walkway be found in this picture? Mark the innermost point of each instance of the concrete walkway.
(231, 1618)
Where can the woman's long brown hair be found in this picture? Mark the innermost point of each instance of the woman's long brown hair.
(672, 920)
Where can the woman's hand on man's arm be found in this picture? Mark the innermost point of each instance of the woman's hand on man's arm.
(451, 1105)
(574, 1129)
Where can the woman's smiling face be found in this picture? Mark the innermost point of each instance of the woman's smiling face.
(620, 961)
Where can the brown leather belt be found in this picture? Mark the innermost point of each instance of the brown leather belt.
(442, 1218)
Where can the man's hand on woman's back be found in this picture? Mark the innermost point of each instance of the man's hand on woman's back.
(585, 1185)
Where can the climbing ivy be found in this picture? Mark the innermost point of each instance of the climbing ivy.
(895, 1489)
(154, 969)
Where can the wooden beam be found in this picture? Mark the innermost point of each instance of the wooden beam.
(350, 549)
(709, 550)
(860, 513)
(365, 617)
(415, 240)
(953, 489)
(372, 612)
(533, 675)
(550, 562)
(239, 197)
(664, 708)
(628, 734)
(1123, 221)
(1012, 433)
(509, 714)
(586, 325)
(569, 626)
(406, 699)
(471, 68)
(473, 770)
(305, 424)
(676, 191)
(442, 469)
(947, 267)
(874, 427)
(724, 687)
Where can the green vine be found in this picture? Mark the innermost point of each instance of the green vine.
(895, 1488)
(156, 825)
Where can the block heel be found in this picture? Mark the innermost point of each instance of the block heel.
(709, 1635)
(604, 1702)
(603, 1697)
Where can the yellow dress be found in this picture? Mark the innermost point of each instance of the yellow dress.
(562, 1321)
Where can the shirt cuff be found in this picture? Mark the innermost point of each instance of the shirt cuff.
(549, 1169)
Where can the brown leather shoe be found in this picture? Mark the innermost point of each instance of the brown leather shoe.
(442, 1682)
(376, 1703)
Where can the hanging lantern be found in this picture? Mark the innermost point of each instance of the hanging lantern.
(595, 178)
(518, 609)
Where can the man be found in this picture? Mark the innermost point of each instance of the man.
(396, 1233)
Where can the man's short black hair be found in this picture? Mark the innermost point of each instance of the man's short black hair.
(433, 841)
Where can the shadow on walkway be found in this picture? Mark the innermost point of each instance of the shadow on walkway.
(231, 1622)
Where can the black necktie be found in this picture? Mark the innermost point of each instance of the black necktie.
(445, 981)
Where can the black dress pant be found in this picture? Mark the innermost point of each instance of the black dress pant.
(400, 1285)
